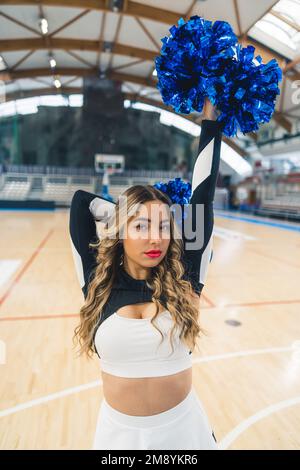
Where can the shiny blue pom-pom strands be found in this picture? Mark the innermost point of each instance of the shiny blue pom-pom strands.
(200, 59)
(192, 57)
(247, 95)
(179, 192)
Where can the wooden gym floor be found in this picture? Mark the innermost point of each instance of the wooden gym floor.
(248, 372)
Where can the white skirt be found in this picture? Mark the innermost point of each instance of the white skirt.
(185, 426)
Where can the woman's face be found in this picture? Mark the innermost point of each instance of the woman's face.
(148, 230)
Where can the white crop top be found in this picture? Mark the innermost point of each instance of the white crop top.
(132, 347)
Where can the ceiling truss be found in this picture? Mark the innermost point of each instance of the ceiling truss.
(135, 55)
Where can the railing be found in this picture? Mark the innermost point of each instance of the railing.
(88, 171)
(60, 188)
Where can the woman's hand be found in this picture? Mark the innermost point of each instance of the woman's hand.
(209, 110)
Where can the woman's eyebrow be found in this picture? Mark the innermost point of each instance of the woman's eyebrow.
(149, 220)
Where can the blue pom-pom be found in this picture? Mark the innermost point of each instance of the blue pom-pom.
(200, 59)
(178, 190)
(246, 94)
(195, 54)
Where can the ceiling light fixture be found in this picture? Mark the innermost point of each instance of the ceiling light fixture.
(57, 83)
(116, 5)
(52, 61)
(107, 46)
(43, 24)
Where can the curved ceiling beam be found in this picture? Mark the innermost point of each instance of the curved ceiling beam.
(34, 44)
(134, 9)
(9, 45)
(266, 52)
(279, 118)
(282, 121)
(130, 8)
(75, 71)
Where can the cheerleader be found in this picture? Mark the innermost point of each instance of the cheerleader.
(141, 309)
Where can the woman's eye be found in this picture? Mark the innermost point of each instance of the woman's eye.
(143, 226)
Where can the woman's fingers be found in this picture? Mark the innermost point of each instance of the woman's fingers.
(209, 110)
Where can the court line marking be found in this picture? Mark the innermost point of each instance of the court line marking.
(231, 235)
(96, 383)
(257, 304)
(40, 317)
(249, 352)
(247, 423)
(51, 397)
(258, 222)
(208, 301)
(26, 266)
(74, 315)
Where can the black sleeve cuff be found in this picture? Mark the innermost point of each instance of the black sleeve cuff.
(212, 125)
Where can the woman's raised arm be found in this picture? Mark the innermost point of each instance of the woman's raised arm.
(86, 208)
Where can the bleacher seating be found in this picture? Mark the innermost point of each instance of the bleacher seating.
(286, 204)
(15, 190)
(278, 198)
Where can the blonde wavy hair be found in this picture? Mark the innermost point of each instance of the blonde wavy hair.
(165, 280)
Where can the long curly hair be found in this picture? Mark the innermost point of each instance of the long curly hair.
(165, 280)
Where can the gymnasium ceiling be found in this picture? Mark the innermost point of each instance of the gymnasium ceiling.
(120, 39)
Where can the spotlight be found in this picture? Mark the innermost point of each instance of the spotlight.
(116, 5)
(57, 83)
(107, 46)
(52, 61)
(43, 24)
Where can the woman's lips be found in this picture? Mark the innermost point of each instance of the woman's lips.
(153, 255)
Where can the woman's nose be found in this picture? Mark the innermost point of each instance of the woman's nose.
(155, 234)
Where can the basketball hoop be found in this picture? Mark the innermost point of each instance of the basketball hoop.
(110, 164)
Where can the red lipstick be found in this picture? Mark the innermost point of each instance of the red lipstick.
(153, 253)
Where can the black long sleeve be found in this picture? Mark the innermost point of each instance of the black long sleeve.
(201, 221)
(85, 209)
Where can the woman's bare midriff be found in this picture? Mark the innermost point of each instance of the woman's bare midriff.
(145, 396)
